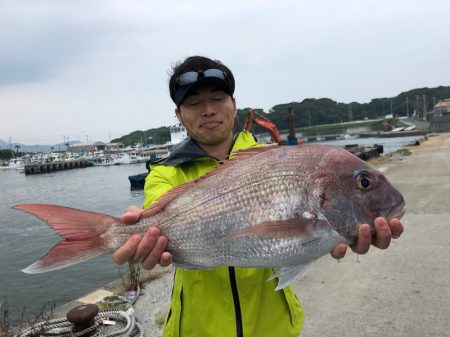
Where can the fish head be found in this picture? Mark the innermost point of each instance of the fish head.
(354, 193)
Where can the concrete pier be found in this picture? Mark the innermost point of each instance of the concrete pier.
(37, 168)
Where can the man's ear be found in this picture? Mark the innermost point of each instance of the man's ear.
(178, 114)
(234, 105)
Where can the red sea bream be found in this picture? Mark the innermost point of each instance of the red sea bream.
(279, 207)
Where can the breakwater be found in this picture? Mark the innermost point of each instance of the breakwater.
(36, 168)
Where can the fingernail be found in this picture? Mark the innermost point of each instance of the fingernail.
(152, 233)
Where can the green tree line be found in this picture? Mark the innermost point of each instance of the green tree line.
(159, 135)
(6, 154)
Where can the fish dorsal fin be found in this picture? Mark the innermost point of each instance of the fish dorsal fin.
(172, 194)
(250, 152)
(160, 204)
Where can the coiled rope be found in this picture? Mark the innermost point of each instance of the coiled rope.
(61, 327)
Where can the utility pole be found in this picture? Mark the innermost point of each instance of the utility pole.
(407, 106)
(350, 112)
(417, 105)
(392, 111)
(424, 108)
(292, 139)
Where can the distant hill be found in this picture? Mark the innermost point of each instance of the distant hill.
(152, 136)
(33, 148)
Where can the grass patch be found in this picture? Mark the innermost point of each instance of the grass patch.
(131, 277)
(36, 325)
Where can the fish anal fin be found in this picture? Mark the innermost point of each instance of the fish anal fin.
(289, 274)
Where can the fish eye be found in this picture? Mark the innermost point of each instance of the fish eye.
(364, 182)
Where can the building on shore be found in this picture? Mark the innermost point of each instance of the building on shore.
(177, 134)
(95, 146)
(440, 119)
(442, 107)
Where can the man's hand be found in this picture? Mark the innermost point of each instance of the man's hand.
(385, 231)
(147, 250)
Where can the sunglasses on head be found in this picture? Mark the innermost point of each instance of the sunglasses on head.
(193, 76)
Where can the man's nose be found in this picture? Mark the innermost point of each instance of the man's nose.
(209, 109)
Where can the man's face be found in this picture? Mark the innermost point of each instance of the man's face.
(208, 115)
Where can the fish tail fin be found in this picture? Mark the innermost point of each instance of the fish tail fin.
(82, 232)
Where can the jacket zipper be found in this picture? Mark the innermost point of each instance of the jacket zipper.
(237, 305)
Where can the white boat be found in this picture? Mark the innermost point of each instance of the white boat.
(103, 161)
(15, 164)
(347, 136)
(125, 158)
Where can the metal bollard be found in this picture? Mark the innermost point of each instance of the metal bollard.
(83, 317)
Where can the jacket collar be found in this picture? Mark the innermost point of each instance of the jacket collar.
(187, 151)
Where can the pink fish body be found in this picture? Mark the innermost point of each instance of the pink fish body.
(279, 207)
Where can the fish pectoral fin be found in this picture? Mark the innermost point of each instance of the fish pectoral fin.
(301, 227)
(288, 274)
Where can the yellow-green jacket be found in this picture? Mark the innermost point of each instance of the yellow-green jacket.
(224, 301)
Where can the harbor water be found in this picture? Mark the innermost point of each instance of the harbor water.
(24, 238)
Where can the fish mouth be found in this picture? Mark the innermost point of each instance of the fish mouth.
(397, 211)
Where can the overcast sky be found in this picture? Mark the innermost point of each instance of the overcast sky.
(98, 69)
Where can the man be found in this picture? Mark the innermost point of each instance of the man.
(225, 301)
